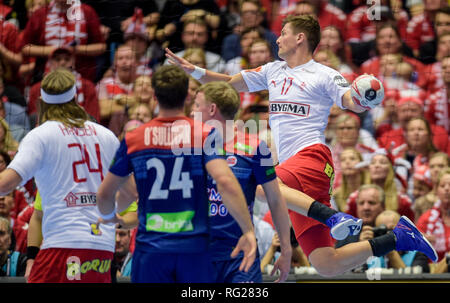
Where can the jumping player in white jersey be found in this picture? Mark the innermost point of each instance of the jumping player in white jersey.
(301, 93)
(68, 156)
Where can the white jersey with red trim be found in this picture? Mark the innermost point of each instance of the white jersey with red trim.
(68, 165)
(300, 101)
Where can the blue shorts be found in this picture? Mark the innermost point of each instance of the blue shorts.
(171, 268)
(228, 271)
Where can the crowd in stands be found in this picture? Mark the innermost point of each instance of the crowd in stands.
(401, 148)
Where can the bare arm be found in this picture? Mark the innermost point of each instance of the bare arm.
(237, 81)
(441, 267)
(94, 49)
(270, 253)
(32, 50)
(106, 194)
(234, 200)
(9, 180)
(127, 194)
(280, 217)
(9, 56)
(34, 236)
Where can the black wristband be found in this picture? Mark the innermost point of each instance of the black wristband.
(32, 252)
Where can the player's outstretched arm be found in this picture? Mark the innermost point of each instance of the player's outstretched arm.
(280, 217)
(234, 199)
(205, 76)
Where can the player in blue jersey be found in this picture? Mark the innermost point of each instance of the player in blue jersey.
(217, 103)
(171, 157)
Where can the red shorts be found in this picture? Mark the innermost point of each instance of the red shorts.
(67, 265)
(311, 172)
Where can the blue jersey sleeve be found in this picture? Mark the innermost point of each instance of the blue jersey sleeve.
(263, 164)
(121, 163)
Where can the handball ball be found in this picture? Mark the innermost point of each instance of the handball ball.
(367, 91)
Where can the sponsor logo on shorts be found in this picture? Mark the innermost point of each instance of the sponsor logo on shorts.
(80, 199)
(170, 222)
(290, 108)
(231, 160)
(75, 268)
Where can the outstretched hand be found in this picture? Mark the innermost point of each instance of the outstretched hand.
(181, 62)
(247, 244)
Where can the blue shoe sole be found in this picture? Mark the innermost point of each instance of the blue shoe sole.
(342, 230)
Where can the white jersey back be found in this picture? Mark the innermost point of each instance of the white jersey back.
(68, 165)
(300, 101)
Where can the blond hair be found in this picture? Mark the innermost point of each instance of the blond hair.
(342, 193)
(70, 114)
(332, 57)
(390, 188)
(224, 96)
(442, 173)
(9, 144)
(192, 51)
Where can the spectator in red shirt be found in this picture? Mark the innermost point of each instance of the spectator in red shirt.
(115, 93)
(382, 173)
(331, 38)
(434, 70)
(428, 50)
(137, 37)
(60, 24)
(434, 223)
(437, 106)
(408, 108)
(361, 24)
(388, 41)
(420, 27)
(10, 57)
(326, 13)
(7, 204)
(86, 94)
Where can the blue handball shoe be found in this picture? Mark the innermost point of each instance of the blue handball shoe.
(343, 225)
(410, 238)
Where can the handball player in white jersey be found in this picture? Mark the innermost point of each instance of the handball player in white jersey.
(301, 93)
(68, 156)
